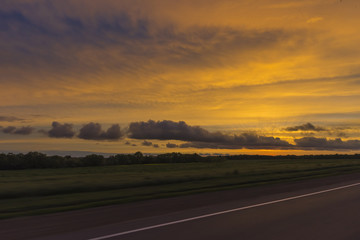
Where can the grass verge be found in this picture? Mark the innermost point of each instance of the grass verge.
(40, 191)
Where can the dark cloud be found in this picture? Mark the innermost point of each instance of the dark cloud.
(198, 137)
(59, 130)
(9, 118)
(171, 145)
(113, 133)
(9, 129)
(146, 143)
(26, 130)
(93, 131)
(252, 140)
(326, 144)
(305, 127)
(170, 130)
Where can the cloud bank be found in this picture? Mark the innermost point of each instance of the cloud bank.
(191, 136)
(198, 137)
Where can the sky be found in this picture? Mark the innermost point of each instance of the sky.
(204, 76)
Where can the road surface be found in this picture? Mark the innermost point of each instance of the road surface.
(327, 208)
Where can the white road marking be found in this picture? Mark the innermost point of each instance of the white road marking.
(222, 212)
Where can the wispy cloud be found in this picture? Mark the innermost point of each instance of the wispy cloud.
(293, 4)
(314, 20)
(135, 39)
(10, 119)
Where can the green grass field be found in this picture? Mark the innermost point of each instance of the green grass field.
(38, 191)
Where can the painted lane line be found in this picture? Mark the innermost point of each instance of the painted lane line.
(222, 212)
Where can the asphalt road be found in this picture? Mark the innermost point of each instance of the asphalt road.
(327, 208)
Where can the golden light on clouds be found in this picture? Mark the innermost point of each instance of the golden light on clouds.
(229, 66)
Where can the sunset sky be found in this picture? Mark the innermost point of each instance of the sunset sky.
(205, 76)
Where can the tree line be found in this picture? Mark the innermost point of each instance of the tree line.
(11, 161)
(30, 160)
